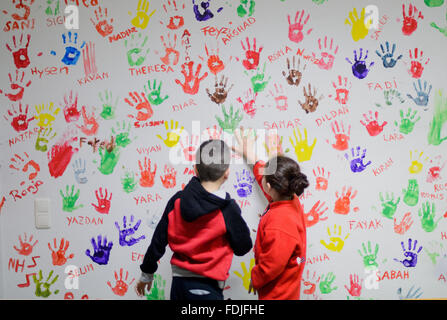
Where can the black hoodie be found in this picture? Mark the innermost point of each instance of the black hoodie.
(203, 231)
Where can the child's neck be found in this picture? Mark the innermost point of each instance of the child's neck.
(211, 186)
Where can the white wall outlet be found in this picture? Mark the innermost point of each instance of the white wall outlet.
(42, 213)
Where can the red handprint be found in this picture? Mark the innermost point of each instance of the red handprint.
(189, 145)
(91, 125)
(175, 21)
(102, 24)
(59, 157)
(192, 81)
(321, 180)
(312, 284)
(343, 202)
(169, 179)
(170, 50)
(71, 111)
(18, 85)
(19, 121)
(121, 286)
(20, 53)
(103, 202)
(434, 172)
(140, 102)
(356, 285)
(26, 247)
(251, 60)
(58, 256)
(280, 97)
(296, 29)
(417, 68)
(410, 23)
(215, 64)
(21, 6)
(372, 124)
(314, 215)
(18, 161)
(404, 225)
(342, 90)
(213, 132)
(249, 103)
(147, 176)
(341, 137)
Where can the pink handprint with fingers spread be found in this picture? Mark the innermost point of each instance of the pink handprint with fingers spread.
(252, 55)
(147, 177)
(192, 80)
(410, 23)
(342, 90)
(404, 225)
(280, 97)
(322, 179)
(189, 146)
(355, 285)
(417, 63)
(24, 164)
(58, 257)
(140, 102)
(372, 123)
(171, 54)
(121, 284)
(176, 21)
(91, 125)
(26, 248)
(213, 132)
(18, 86)
(104, 201)
(169, 178)
(249, 102)
(71, 112)
(310, 283)
(20, 51)
(20, 120)
(341, 135)
(434, 171)
(296, 29)
(328, 52)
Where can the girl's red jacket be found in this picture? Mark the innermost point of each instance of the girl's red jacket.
(280, 248)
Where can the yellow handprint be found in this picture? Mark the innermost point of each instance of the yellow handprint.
(273, 145)
(173, 137)
(46, 118)
(359, 28)
(246, 276)
(141, 20)
(416, 165)
(336, 243)
(302, 149)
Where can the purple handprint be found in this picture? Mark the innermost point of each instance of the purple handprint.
(101, 251)
(356, 162)
(359, 68)
(244, 186)
(411, 254)
(207, 14)
(128, 230)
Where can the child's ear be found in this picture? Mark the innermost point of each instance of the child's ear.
(227, 174)
(195, 170)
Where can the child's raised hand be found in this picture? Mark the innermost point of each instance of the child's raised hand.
(246, 144)
(139, 287)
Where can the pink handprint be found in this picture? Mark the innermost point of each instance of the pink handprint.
(71, 112)
(296, 29)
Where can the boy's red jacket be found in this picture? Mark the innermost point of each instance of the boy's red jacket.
(280, 248)
(202, 230)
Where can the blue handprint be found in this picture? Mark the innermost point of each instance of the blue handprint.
(359, 68)
(410, 295)
(356, 162)
(387, 56)
(207, 14)
(128, 230)
(422, 94)
(72, 53)
(410, 254)
(79, 171)
(244, 186)
(101, 252)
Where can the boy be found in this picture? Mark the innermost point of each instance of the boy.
(203, 227)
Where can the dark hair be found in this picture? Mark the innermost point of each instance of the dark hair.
(287, 178)
(212, 160)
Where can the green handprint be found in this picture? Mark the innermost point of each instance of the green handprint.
(136, 50)
(44, 293)
(319, 1)
(158, 289)
(435, 251)
(390, 94)
(257, 81)
(411, 194)
(108, 107)
(49, 11)
(109, 159)
(122, 134)
(439, 118)
(369, 258)
(325, 285)
(407, 122)
(388, 205)
(69, 199)
(231, 121)
(427, 215)
(129, 182)
(242, 8)
(153, 94)
(433, 3)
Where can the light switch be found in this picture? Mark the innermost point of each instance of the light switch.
(42, 213)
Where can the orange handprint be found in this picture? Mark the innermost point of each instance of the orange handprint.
(140, 103)
(314, 215)
(26, 247)
(147, 176)
(169, 180)
(18, 161)
(192, 80)
(321, 179)
(121, 286)
(343, 202)
(58, 256)
(90, 126)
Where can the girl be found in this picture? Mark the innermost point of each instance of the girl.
(280, 248)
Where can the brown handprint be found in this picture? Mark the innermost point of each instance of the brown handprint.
(294, 74)
(58, 256)
(147, 176)
(25, 246)
(169, 179)
(220, 90)
(192, 81)
(311, 103)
